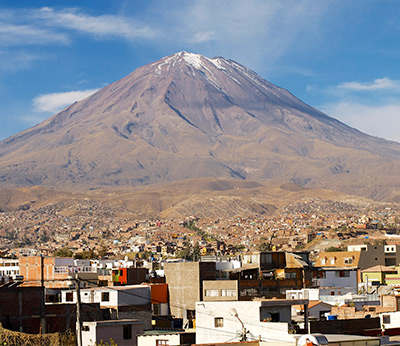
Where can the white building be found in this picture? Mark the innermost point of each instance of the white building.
(305, 293)
(154, 338)
(122, 332)
(123, 302)
(340, 280)
(63, 265)
(111, 297)
(266, 320)
(9, 269)
(390, 319)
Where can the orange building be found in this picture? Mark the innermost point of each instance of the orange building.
(55, 271)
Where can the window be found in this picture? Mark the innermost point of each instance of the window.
(290, 275)
(85, 329)
(249, 292)
(218, 322)
(332, 260)
(342, 273)
(323, 261)
(275, 316)
(211, 293)
(348, 260)
(228, 293)
(156, 309)
(105, 296)
(390, 261)
(190, 314)
(69, 296)
(386, 319)
(127, 331)
(320, 274)
(161, 342)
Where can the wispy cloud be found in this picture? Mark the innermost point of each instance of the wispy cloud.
(57, 101)
(46, 26)
(371, 107)
(377, 84)
(100, 26)
(254, 32)
(382, 121)
(26, 35)
(16, 60)
(202, 36)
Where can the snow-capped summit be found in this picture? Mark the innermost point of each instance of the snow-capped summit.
(187, 116)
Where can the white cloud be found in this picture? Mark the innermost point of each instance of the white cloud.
(57, 101)
(377, 84)
(11, 61)
(17, 35)
(49, 26)
(203, 36)
(382, 121)
(100, 26)
(254, 32)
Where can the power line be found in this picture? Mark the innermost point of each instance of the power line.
(134, 307)
(183, 306)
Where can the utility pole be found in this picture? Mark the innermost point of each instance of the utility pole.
(75, 278)
(43, 298)
(78, 311)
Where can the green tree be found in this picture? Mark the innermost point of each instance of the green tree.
(102, 251)
(63, 252)
(44, 238)
(189, 252)
(86, 254)
(334, 249)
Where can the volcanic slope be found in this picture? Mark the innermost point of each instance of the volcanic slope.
(189, 116)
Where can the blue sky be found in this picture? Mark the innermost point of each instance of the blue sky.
(340, 56)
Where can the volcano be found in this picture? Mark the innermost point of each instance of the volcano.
(189, 116)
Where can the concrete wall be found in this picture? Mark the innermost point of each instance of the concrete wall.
(318, 310)
(248, 312)
(184, 281)
(379, 255)
(332, 280)
(95, 332)
(151, 340)
(137, 295)
(305, 293)
(393, 317)
(348, 326)
(177, 338)
(223, 288)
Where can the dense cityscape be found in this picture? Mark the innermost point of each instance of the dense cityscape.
(199, 173)
(308, 268)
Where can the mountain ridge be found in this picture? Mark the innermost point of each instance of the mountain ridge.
(188, 116)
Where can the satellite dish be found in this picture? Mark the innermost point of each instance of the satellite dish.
(315, 339)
